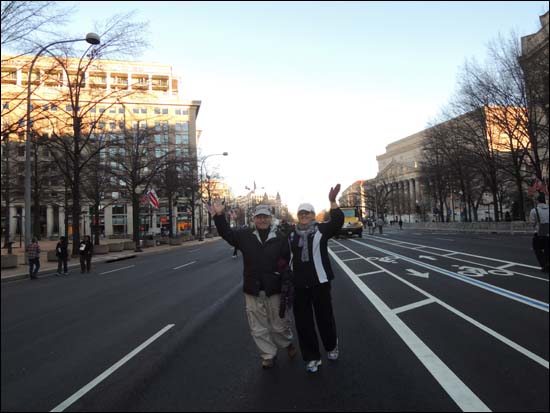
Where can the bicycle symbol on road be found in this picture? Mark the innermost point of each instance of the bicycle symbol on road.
(388, 260)
(480, 272)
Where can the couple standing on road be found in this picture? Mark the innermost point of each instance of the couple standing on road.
(283, 271)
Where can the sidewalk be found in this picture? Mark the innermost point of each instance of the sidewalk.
(50, 267)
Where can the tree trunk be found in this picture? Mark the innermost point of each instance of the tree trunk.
(170, 220)
(135, 220)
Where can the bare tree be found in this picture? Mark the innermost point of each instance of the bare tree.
(24, 22)
(136, 161)
(97, 176)
(119, 37)
(8, 181)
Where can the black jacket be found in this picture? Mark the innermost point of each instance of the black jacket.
(262, 260)
(61, 250)
(318, 269)
(88, 248)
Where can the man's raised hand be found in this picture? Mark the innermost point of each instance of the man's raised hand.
(333, 193)
(218, 206)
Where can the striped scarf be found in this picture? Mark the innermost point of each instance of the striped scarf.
(302, 242)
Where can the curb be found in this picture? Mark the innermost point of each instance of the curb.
(127, 257)
(46, 271)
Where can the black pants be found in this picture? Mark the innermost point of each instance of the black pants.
(85, 262)
(34, 266)
(541, 248)
(61, 261)
(309, 303)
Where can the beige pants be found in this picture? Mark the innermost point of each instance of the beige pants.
(268, 330)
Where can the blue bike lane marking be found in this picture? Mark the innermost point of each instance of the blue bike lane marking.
(497, 290)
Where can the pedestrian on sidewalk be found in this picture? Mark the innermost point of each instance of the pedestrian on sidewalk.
(539, 217)
(265, 256)
(380, 224)
(62, 254)
(86, 250)
(312, 281)
(33, 255)
(400, 223)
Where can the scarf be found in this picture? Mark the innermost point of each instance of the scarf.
(302, 242)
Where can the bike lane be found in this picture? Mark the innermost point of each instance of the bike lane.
(496, 340)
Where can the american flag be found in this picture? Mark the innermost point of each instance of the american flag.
(153, 199)
(538, 186)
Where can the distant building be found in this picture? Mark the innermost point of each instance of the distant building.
(130, 95)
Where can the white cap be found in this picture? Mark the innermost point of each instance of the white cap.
(306, 207)
(262, 210)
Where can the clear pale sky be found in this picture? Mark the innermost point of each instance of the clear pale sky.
(304, 95)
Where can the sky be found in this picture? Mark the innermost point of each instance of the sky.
(305, 95)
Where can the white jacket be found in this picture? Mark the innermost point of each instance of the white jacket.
(543, 214)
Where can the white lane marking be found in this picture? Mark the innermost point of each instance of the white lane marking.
(63, 405)
(413, 306)
(482, 327)
(370, 273)
(427, 257)
(118, 269)
(520, 298)
(445, 239)
(185, 265)
(451, 252)
(455, 388)
(351, 259)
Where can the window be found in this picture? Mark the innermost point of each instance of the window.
(135, 110)
(143, 110)
(182, 139)
(121, 110)
(157, 111)
(53, 108)
(92, 110)
(112, 125)
(165, 111)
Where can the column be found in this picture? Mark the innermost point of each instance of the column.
(49, 221)
(13, 222)
(175, 219)
(129, 219)
(413, 199)
(108, 212)
(61, 220)
(154, 227)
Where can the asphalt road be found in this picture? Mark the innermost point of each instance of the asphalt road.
(426, 322)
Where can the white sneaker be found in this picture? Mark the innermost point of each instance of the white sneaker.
(312, 365)
(333, 355)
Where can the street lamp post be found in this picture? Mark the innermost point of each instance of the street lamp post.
(92, 39)
(201, 238)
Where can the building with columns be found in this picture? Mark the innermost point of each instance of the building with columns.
(116, 95)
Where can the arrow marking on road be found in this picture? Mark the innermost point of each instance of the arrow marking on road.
(418, 274)
(427, 257)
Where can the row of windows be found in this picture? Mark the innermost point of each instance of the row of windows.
(101, 109)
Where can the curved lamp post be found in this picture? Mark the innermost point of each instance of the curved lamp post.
(92, 39)
(201, 238)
